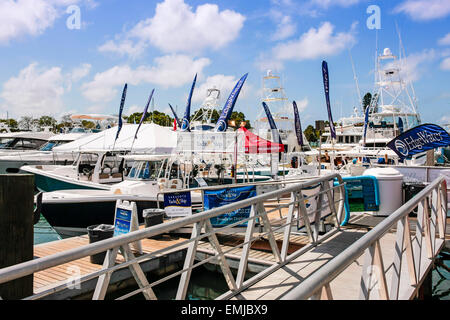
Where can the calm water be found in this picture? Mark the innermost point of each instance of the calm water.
(207, 284)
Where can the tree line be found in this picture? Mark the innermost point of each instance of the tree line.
(28, 123)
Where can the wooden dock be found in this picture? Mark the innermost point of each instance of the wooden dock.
(63, 274)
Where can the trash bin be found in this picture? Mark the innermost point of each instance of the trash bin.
(96, 233)
(153, 217)
(410, 190)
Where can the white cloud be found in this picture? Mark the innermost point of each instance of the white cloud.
(175, 27)
(328, 3)
(423, 10)
(316, 43)
(19, 18)
(445, 41)
(302, 105)
(34, 91)
(80, 72)
(445, 64)
(285, 28)
(168, 71)
(414, 65)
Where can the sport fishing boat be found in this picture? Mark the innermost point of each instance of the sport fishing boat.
(392, 110)
(70, 212)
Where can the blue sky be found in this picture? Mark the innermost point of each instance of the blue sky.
(49, 69)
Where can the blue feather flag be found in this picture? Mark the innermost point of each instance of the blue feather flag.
(122, 102)
(222, 123)
(187, 113)
(326, 85)
(143, 114)
(298, 125)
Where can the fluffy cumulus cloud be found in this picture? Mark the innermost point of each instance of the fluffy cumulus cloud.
(417, 64)
(285, 28)
(316, 43)
(34, 91)
(423, 10)
(167, 71)
(176, 27)
(445, 64)
(445, 41)
(329, 3)
(20, 18)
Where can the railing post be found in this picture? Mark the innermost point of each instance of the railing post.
(287, 229)
(268, 228)
(103, 281)
(242, 269)
(188, 262)
(222, 259)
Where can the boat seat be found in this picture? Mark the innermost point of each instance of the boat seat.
(115, 170)
(162, 182)
(175, 184)
(106, 170)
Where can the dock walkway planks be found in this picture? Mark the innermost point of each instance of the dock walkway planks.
(63, 273)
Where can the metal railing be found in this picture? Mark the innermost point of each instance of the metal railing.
(329, 201)
(429, 232)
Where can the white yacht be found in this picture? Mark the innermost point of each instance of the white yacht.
(11, 163)
(392, 111)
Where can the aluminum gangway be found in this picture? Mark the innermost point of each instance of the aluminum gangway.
(297, 207)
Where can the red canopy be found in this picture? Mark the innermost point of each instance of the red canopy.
(256, 144)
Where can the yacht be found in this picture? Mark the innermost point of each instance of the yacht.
(11, 163)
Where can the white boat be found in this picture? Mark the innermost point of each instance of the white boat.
(97, 165)
(11, 163)
(70, 212)
(12, 143)
(392, 110)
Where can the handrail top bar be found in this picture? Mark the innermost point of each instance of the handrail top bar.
(330, 270)
(236, 185)
(32, 266)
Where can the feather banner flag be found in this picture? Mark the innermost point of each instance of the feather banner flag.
(326, 85)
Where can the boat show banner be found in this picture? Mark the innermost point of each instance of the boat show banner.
(222, 123)
(178, 204)
(222, 197)
(366, 122)
(122, 103)
(298, 125)
(419, 139)
(187, 112)
(326, 85)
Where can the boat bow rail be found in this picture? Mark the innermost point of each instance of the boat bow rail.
(419, 246)
(330, 203)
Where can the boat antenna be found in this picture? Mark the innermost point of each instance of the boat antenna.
(403, 61)
(356, 81)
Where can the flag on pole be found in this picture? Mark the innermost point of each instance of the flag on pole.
(298, 125)
(222, 123)
(187, 113)
(145, 112)
(326, 84)
(122, 102)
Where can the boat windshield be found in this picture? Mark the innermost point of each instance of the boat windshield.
(23, 144)
(145, 170)
(5, 142)
(51, 144)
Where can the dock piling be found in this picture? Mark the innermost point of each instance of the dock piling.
(16, 231)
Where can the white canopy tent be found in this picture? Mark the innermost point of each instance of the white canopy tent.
(151, 138)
